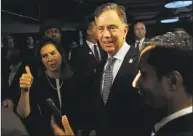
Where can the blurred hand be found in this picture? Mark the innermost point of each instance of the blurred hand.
(8, 103)
(26, 79)
(58, 131)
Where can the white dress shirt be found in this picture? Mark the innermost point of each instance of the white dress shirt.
(91, 46)
(120, 55)
(140, 43)
(173, 116)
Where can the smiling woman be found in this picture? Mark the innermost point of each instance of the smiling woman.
(52, 81)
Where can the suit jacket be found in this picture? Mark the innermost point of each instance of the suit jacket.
(84, 65)
(13, 91)
(14, 87)
(125, 112)
(143, 44)
(83, 60)
(182, 126)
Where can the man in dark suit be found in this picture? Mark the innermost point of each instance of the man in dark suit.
(84, 61)
(119, 108)
(140, 32)
(86, 57)
(166, 82)
(14, 69)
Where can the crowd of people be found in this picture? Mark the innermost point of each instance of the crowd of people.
(106, 87)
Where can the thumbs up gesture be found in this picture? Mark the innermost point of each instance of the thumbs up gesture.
(26, 79)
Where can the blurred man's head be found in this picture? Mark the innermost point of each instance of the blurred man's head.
(139, 30)
(92, 31)
(13, 54)
(51, 28)
(30, 40)
(166, 74)
(89, 28)
(112, 28)
(10, 41)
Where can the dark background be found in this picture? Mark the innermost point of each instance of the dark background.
(71, 12)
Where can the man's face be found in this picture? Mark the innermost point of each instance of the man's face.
(30, 40)
(92, 30)
(53, 33)
(153, 89)
(10, 42)
(111, 31)
(140, 30)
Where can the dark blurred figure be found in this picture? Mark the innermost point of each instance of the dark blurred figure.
(16, 61)
(140, 38)
(30, 42)
(165, 81)
(51, 28)
(73, 45)
(84, 61)
(85, 58)
(11, 125)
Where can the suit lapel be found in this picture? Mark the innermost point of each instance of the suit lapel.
(124, 70)
(17, 75)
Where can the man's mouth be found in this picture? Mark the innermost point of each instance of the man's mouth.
(107, 42)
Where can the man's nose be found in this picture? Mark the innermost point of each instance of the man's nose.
(136, 80)
(50, 58)
(106, 33)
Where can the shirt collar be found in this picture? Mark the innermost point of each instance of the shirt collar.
(122, 52)
(14, 67)
(141, 41)
(90, 44)
(173, 116)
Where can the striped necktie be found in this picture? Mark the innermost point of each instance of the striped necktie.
(108, 79)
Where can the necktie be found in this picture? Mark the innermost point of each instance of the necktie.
(96, 53)
(137, 45)
(108, 79)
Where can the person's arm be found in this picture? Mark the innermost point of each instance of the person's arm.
(23, 107)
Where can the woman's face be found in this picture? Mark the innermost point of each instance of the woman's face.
(51, 58)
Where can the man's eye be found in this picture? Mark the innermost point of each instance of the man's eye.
(56, 31)
(44, 56)
(100, 29)
(53, 53)
(112, 27)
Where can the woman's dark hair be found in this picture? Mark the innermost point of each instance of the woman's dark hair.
(66, 71)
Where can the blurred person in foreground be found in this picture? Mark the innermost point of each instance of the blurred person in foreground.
(165, 81)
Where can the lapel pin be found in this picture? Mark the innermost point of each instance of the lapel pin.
(90, 53)
(131, 61)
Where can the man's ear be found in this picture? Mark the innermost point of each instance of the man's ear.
(175, 79)
(126, 30)
(88, 31)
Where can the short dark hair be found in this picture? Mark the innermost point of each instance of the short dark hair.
(180, 40)
(48, 24)
(112, 6)
(173, 51)
(65, 68)
(167, 59)
(85, 24)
